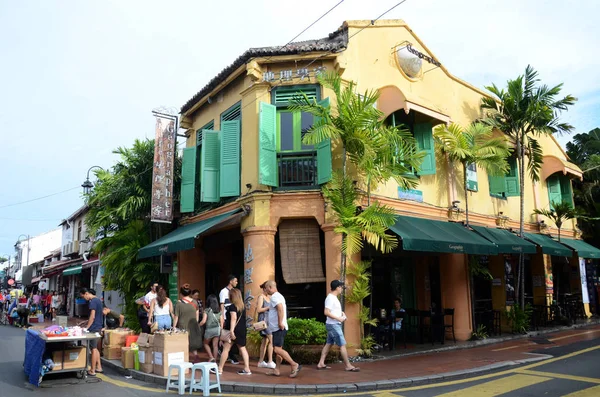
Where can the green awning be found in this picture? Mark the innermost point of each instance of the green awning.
(183, 238)
(549, 246)
(72, 271)
(506, 241)
(583, 249)
(426, 235)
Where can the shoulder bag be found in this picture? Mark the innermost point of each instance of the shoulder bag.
(225, 335)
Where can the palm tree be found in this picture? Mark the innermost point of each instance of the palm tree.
(524, 111)
(472, 145)
(560, 213)
(377, 151)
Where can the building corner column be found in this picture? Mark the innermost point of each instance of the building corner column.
(333, 244)
(259, 264)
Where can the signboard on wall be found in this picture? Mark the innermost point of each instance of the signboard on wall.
(410, 194)
(163, 170)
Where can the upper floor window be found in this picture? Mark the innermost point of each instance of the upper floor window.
(421, 127)
(559, 189)
(506, 185)
(291, 126)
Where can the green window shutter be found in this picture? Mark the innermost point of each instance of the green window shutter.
(565, 190)
(512, 179)
(554, 193)
(208, 126)
(267, 144)
(230, 159)
(424, 136)
(233, 113)
(188, 179)
(324, 154)
(209, 189)
(497, 184)
(283, 96)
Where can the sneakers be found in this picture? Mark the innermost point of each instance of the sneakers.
(271, 365)
(263, 364)
(243, 372)
(234, 362)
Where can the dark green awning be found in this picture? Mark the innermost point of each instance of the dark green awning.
(72, 271)
(183, 238)
(420, 234)
(583, 249)
(506, 241)
(549, 246)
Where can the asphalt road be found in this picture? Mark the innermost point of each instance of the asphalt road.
(573, 371)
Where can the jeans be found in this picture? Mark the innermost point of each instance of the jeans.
(335, 335)
(164, 321)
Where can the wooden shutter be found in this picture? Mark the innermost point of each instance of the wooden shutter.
(283, 96)
(188, 179)
(554, 193)
(209, 190)
(565, 190)
(424, 136)
(512, 179)
(497, 184)
(299, 245)
(267, 145)
(324, 154)
(230, 159)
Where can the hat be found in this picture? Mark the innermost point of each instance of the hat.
(336, 283)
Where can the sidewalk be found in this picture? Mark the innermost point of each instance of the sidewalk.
(400, 370)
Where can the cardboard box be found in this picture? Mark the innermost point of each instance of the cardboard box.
(127, 358)
(145, 340)
(169, 349)
(112, 352)
(146, 358)
(62, 321)
(73, 358)
(116, 337)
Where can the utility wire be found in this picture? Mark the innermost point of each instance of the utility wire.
(331, 51)
(40, 198)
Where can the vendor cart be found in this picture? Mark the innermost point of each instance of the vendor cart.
(37, 342)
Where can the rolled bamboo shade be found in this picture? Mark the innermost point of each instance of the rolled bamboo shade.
(300, 249)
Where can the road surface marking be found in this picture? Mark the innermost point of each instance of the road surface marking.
(561, 376)
(589, 392)
(571, 336)
(127, 384)
(498, 386)
(507, 348)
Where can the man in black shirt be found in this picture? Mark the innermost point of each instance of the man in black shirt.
(113, 319)
(95, 323)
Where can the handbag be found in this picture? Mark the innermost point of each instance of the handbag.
(225, 335)
(260, 325)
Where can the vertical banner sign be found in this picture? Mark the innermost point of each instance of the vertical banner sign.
(162, 175)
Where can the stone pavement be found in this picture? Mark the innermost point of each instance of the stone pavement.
(397, 371)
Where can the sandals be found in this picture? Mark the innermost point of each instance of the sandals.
(323, 368)
(272, 373)
(355, 369)
(91, 373)
(296, 371)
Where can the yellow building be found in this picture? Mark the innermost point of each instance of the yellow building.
(251, 200)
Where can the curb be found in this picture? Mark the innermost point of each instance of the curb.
(287, 389)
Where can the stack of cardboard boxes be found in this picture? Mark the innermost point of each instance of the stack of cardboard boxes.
(114, 340)
(145, 353)
(169, 348)
(73, 358)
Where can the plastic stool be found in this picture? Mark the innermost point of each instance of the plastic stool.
(180, 384)
(204, 383)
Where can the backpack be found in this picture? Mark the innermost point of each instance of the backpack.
(212, 321)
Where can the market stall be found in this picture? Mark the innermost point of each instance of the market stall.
(57, 350)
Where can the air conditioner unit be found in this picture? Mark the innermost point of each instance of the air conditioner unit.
(70, 248)
(84, 247)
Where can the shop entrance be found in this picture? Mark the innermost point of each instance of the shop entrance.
(223, 255)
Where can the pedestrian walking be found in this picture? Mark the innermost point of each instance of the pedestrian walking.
(266, 346)
(235, 327)
(49, 305)
(186, 317)
(333, 324)
(144, 307)
(161, 310)
(278, 327)
(212, 322)
(225, 302)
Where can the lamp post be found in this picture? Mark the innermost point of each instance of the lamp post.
(87, 185)
(19, 241)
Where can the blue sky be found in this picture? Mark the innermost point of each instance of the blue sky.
(80, 78)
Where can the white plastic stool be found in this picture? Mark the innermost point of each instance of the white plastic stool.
(180, 384)
(204, 383)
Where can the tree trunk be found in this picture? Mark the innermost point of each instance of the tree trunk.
(466, 194)
(343, 254)
(521, 151)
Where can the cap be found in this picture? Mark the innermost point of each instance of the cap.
(336, 283)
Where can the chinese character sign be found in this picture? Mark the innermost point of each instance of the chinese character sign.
(162, 173)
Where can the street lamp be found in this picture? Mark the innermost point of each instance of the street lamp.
(87, 185)
(19, 241)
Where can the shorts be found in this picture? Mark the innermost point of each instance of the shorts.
(279, 337)
(335, 335)
(164, 321)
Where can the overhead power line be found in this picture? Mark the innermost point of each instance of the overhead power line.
(40, 198)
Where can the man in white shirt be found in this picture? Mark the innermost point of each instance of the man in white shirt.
(144, 308)
(335, 334)
(225, 302)
(277, 326)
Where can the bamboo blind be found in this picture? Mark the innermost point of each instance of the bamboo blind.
(300, 249)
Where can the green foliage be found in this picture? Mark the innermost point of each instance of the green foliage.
(519, 318)
(305, 332)
(477, 270)
(560, 213)
(118, 219)
(480, 333)
(358, 292)
(366, 346)
(3, 259)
